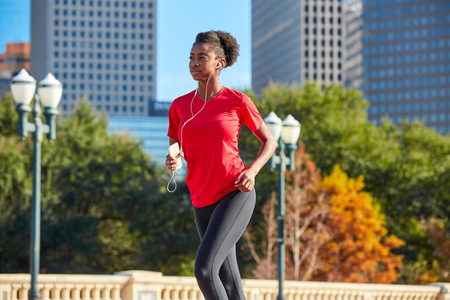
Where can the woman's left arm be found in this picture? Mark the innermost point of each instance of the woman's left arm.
(246, 180)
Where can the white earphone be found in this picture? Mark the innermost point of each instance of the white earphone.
(218, 66)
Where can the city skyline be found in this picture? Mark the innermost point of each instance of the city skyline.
(177, 25)
(399, 40)
(394, 51)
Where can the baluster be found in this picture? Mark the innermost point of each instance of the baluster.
(165, 294)
(45, 293)
(326, 295)
(387, 296)
(23, 293)
(352, 295)
(334, 295)
(85, 293)
(184, 294)
(192, 294)
(345, 295)
(115, 292)
(313, 295)
(319, 295)
(95, 293)
(106, 293)
(14, 291)
(418, 296)
(65, 293)
(75, 293)
(175, 294)
(290, 294)
(55, 292)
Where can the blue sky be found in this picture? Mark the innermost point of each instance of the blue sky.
(14, 22)
(178, 22)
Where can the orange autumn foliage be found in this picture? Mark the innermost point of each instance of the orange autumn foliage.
(358, 250)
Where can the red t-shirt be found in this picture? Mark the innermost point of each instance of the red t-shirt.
(210, 141)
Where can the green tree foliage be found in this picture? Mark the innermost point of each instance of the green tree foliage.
(15, 191)
(415, 185)
(104, 207)
(8, 117)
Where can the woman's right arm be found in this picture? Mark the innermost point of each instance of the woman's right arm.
(172, 141)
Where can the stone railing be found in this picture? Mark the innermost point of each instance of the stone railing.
(143, 285)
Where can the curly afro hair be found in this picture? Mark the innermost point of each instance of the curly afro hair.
(225, 44)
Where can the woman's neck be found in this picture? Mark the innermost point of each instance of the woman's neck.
(214, 87)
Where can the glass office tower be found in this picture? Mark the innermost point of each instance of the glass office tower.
(407, 61)
(103, 50)
(150, 130)
(295, 40)
(353, 45)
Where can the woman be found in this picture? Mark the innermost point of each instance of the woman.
(206, 123)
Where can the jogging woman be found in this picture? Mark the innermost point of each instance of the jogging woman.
(206, 123)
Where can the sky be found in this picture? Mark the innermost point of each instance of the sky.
(178, 22)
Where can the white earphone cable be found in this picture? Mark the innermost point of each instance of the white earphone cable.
(172, 174)
(192, 113)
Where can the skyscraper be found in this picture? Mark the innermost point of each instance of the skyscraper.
(296, 40)
(102, 50)
(407, 61)
(353, 44)
(394, 51)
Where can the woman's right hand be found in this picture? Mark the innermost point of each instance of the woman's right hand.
(172, 163)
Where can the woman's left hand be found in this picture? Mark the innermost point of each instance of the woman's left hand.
(245, 181)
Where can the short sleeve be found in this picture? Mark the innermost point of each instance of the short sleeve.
(174, 122)
(250, 116)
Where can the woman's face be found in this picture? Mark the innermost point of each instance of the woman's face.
(202, 61)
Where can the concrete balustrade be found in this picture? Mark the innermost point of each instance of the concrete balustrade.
(143, 285)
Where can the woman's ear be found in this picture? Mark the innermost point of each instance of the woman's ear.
(223, 63)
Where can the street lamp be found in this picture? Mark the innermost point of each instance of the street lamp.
(286, 133)
(49, 92)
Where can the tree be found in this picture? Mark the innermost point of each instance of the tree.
(406, 168)
(308, 205)
(265, 261)
(360, 250)
(8, 119)
(100, 202)
(334, 232)
(15, 191)
(422, 271)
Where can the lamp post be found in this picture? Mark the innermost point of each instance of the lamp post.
(49, 92)
(286, 133)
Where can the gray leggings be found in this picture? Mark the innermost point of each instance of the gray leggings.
(220, 226)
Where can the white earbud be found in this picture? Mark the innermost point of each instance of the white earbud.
(218, 66)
